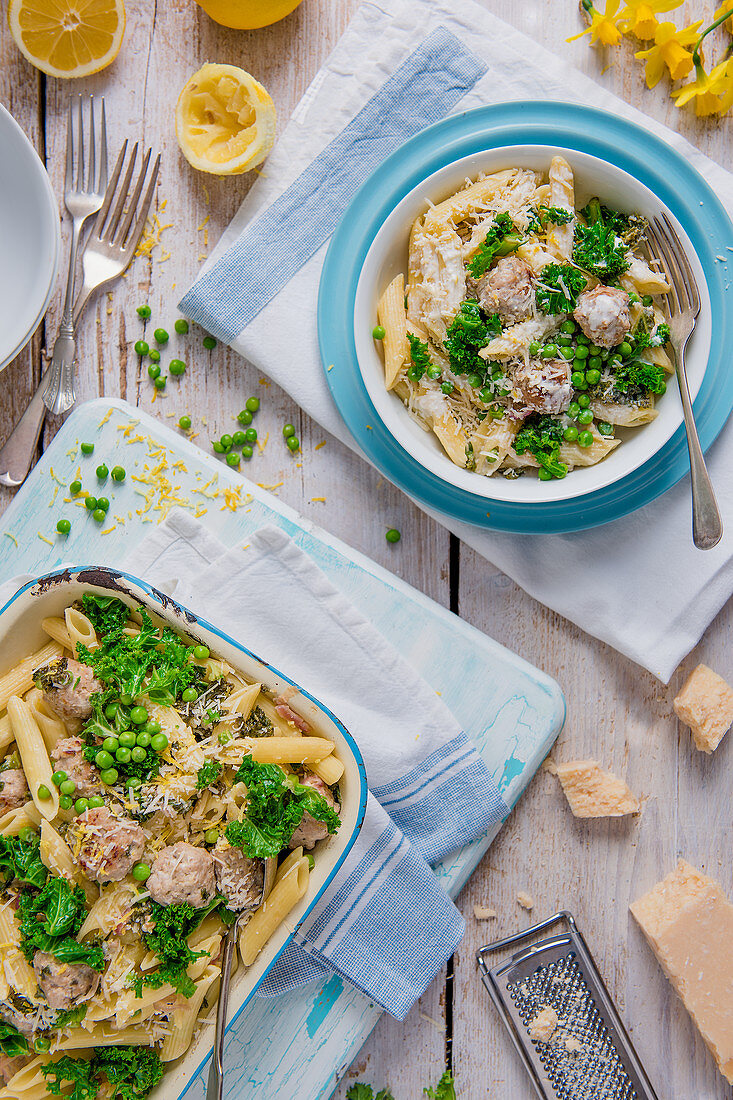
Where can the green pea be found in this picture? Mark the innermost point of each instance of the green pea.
(161, 336)
(139, 754)
(110, 711)
(582, 338)
(144, 312)
(95, 802)
(81, 805)
(104, 759)
(143, 740)
(570, 434)
(118, 473)
(141, 347)
(288, 430)
(109, 776)
(87, 448)
(122, 756)
(247, 451)
(581, 352)
(177, 367)
(486, 395)
(567, 353)
(594, 349)
(141, 872)
(154, 370)
(133, 781)
(543, 474)
(218, 447)
(90, 503)
(99, 515)
(154, 354)
(209, 342)
(239, 438)
(592, 377)
(585, 439)
(63, 526)
(549, 351)
(66, 802)
(126, 700)
(293, 443)
(250, 435)
(595, 362)
(245, 417)
(110, 744)
(252, 404)
(127, 740)
(577, 379)
(224, 737)
(212, 835)
(102, 504)
(159, 383)
(159, 743)
(102, 471)
(393, 535)
(67, 787)
(565, 338)
(185, 423)
(633, 297)
(585, 416)
(647, 300)
(534, 347)
(573, 409)
(447, 387)
(379, 332)
(311, 860)
(189, 694)
(58, 778)
(584, 400)
(582, 385)
(201, 652)
(568, 327)
(75, 488)
(433, 372)
(151, 728)
(139, 716)
(605, 428)
(233, 459)
(625, 349)
(181, 326)
(226, 442)
(27, 833)
(662, 388)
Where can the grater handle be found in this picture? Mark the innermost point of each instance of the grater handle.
(497, 945)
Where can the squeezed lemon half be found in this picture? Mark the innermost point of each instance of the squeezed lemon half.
(225, 120)
(68, 38)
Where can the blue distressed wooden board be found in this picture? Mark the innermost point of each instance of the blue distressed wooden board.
(293, 1047)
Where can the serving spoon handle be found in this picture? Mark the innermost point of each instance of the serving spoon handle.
(215, 1084)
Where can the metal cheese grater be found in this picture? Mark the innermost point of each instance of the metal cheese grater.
(589, 1055)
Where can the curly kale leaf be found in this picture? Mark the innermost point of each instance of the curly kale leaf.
(106, 614)
(543, 215)
(542, 437)
(132, 1072)
(420, 357)
(50, 920)
(274, 809)
(21, 860)
(558, 288)
(599, 250)
(172, 925)
(638, 375)
(257, 725)
(469, 331)
(208, 774)
(74, 1070)
(654, 339)
(501, 239)
(12, 1043)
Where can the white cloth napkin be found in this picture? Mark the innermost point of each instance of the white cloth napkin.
(384, 923)
(637, 584)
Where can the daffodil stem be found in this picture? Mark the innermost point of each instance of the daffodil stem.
(705, 33)
(587, 6)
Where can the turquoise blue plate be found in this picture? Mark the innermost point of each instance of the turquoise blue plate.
(629, 147)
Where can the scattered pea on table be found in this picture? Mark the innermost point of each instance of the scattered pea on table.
(252, 404)
(251, 435)
(159, 383)
(118, 473)
(141, 347)
(185, 423)
(181, 326)
(75, 488)
(154, 355)
(245, 417)
(102, 472)
(177, 367)
(103, 504)
(87, 448)
(161, 336)
(209, 342)
(239, 438)
(288, 430)
(63, 526)
(393, 535)
(144, 312)
(154, 370)
(247, 451)
(90, 503)
(293, 443)
(99, 515)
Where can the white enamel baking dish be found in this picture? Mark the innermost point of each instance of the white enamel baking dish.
(21, 634)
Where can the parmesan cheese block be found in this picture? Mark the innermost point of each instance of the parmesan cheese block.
(688, 921)
(705, 704)
(591, 792)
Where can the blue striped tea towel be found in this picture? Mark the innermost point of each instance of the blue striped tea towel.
(401, 65)
(384, 923)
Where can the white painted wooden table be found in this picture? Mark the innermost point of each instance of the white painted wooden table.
(617, 712)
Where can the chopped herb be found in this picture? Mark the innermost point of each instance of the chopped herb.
(559, 287)
(444, 1090)
(274, 809)
(420, 357)
(208, 774)
(501, 239)
(469, 331)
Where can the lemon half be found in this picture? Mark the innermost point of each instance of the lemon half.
(248, 14)
(68, 38)
(225, 120)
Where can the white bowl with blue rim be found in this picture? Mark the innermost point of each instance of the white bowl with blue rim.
(388, 256)
(626, 165)
(30, 233)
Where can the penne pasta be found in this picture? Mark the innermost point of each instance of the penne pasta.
(57, 629)
(184, 1019)
(20, 679)
(57, 856)
(34, 757)
(49, 723)
(290, 750)
(392, 316)
(285, 895)
(81, 631)
(330, 769)
(20, 818)
(6, 732)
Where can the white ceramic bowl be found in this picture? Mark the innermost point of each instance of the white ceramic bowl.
(21, 634)
(388, 256)
(30, 233)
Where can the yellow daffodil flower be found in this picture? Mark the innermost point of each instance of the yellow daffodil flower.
(670, 49)
(726, 9)
(707, 89)
(639, 17)
(602, 29)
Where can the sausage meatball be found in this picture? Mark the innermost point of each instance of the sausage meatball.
(541, 386)
(239, 878)
(182, 873)
(67, 686)
(64, 984)
(311, 830)
(10, 1066)
(508, 289)
(603, 314)
(13, 790)
(69, 756)
(110, 845)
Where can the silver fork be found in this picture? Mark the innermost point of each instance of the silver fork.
(83, 196)
(108, 252)
(707, 526)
